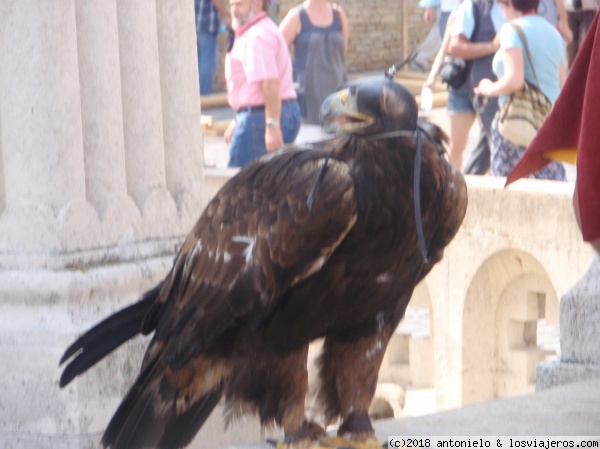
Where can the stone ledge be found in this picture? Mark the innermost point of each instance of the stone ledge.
(557, 373)
(567, 410)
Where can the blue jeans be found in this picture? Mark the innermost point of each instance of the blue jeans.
(207, 60)
(443, 22)
(248, 140)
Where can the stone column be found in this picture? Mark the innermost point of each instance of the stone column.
(86, 221)
(141, 98)
(101, 108)
(178, 79)
(41, 113)
(2, 192)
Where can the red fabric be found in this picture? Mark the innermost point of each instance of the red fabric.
(574, 123)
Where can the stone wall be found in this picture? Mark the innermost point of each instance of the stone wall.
(376, 33)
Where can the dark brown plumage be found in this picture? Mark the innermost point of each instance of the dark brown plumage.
(262, 274)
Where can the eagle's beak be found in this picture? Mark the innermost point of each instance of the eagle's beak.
(340, 113)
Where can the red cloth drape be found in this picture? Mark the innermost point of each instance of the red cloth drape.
(574, 125)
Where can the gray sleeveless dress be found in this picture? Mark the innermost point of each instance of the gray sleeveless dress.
(319, 64)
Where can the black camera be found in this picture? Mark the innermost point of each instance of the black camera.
(577, 4)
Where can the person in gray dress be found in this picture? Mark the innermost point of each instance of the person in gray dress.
(318, 32)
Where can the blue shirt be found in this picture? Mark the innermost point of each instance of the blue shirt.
(207, 16)
(547, 49)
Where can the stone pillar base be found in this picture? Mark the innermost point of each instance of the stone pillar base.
(43, 311)
(579, 334)
(555, 373)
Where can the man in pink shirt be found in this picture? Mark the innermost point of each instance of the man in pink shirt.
(258, 73)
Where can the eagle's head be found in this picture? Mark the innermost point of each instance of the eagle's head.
(369, 106)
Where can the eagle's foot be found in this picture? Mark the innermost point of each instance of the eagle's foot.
(303, 439)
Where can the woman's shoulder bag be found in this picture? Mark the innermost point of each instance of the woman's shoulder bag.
(524, 111)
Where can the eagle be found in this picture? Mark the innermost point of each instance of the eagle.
(318, 241)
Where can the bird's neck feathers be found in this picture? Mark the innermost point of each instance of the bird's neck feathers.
(395, 151)
(380, 168)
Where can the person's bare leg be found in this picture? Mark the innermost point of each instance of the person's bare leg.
(460, 125)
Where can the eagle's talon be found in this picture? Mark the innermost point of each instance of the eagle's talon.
(315, 431)
(302, 439)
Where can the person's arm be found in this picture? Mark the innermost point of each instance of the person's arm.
(223, 12)
(290, 26)
(462, 47)
(430, 8)
(345, 26)
(228, 134)
(464, 24)
(440, 55)
(273, 137)
(513, 79)
(563, 23)
(429, 16)
(562, 74)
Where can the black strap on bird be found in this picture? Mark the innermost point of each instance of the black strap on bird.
(416, 178)
(311, 197)
(417, 198)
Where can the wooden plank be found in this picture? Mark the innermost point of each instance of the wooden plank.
(412, 75)
(216, 100)
(215, 128)
(439, 99)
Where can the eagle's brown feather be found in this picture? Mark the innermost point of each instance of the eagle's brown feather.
(226, 273)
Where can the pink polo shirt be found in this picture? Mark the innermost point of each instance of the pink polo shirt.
(259, 52)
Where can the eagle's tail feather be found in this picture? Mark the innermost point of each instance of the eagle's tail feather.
(148, 416)
(181, 429)
(106, 336)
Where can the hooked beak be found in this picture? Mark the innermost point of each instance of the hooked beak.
(340, 114)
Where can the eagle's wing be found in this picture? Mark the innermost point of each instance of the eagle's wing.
(256, 239)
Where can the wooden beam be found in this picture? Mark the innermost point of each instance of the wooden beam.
(213, 100)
